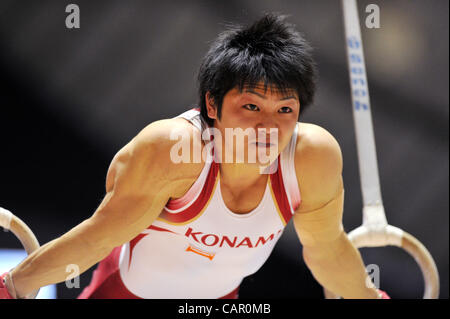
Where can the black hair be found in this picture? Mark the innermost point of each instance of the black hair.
(269, 51)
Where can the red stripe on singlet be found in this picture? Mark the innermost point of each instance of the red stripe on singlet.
(136, 239)
(279, 191)
(198, 205)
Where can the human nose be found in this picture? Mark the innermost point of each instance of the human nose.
(267, 129)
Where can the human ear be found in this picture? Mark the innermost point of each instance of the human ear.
(210, 106)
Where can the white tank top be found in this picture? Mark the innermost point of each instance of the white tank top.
(197, 247)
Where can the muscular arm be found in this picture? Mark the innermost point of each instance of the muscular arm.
(334, 262)
(140, 180)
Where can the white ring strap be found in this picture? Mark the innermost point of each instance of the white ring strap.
(375, 231)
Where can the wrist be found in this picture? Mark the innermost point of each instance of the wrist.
(9, 284)
(6, 291)
(382, 294)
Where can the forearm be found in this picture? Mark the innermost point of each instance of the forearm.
(339, 268)
(48, 264)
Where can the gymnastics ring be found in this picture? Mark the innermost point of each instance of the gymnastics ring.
(11, 222)
(375, 231)
(392, 236)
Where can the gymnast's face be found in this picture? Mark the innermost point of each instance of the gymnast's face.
(255, 108)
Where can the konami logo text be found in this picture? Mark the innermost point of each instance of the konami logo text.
(212, 240)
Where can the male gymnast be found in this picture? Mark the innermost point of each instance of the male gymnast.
(196, 228)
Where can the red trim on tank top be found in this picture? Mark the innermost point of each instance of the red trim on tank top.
(138, 238)
(279, 191)
(198, 205)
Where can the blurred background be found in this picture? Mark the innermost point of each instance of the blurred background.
(71, 98)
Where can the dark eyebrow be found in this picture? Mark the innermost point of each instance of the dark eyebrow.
(263, 97)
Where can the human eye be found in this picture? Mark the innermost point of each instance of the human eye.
(251, 107)
(285, 109)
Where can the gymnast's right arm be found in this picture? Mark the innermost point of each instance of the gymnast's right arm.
(140, 181)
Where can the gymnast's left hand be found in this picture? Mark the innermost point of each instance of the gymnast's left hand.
(4, 293)
(383, 294)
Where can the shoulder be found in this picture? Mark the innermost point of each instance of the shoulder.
(163, 133)
(151, 152)
(172, 143)
(315, 145)
(318, 165)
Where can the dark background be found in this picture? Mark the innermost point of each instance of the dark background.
(71, 98)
